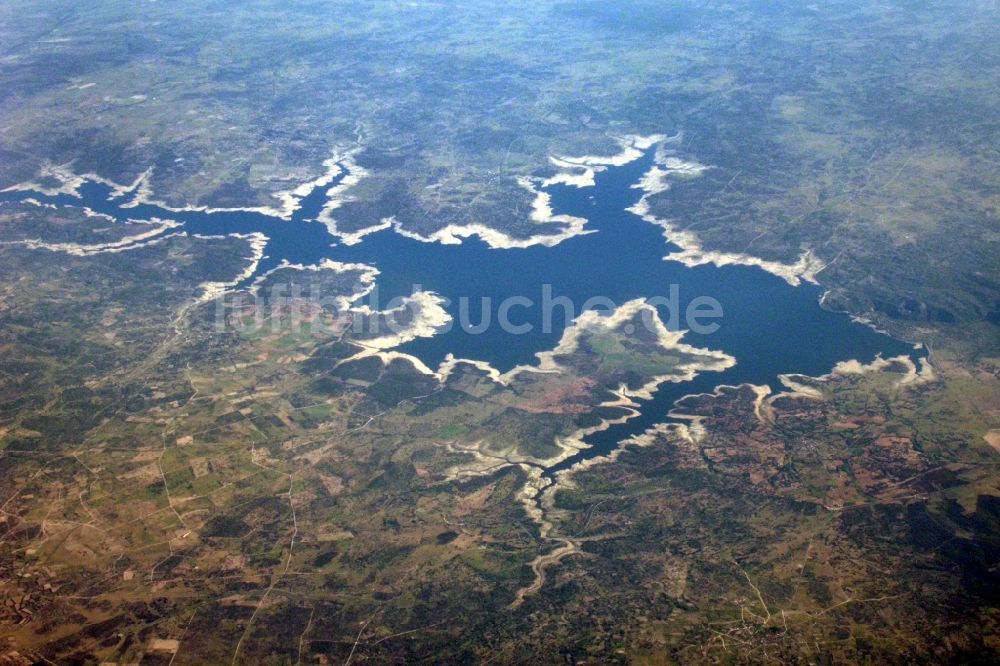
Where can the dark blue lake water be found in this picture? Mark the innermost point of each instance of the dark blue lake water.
(770, 327)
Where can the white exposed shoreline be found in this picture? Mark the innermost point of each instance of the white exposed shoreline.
(290, 200)
(579, 172)
(537, 495)
(576, 171)
(802, 386)
(257, 242)
(691, 252)
(70, 183)
(541, 214)
(711, 361)
(429, 314)
(622, 397)
(154, 232)
(337, 196)
(427, 308)
(366, 280)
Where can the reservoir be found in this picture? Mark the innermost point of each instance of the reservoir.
(769, 326)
